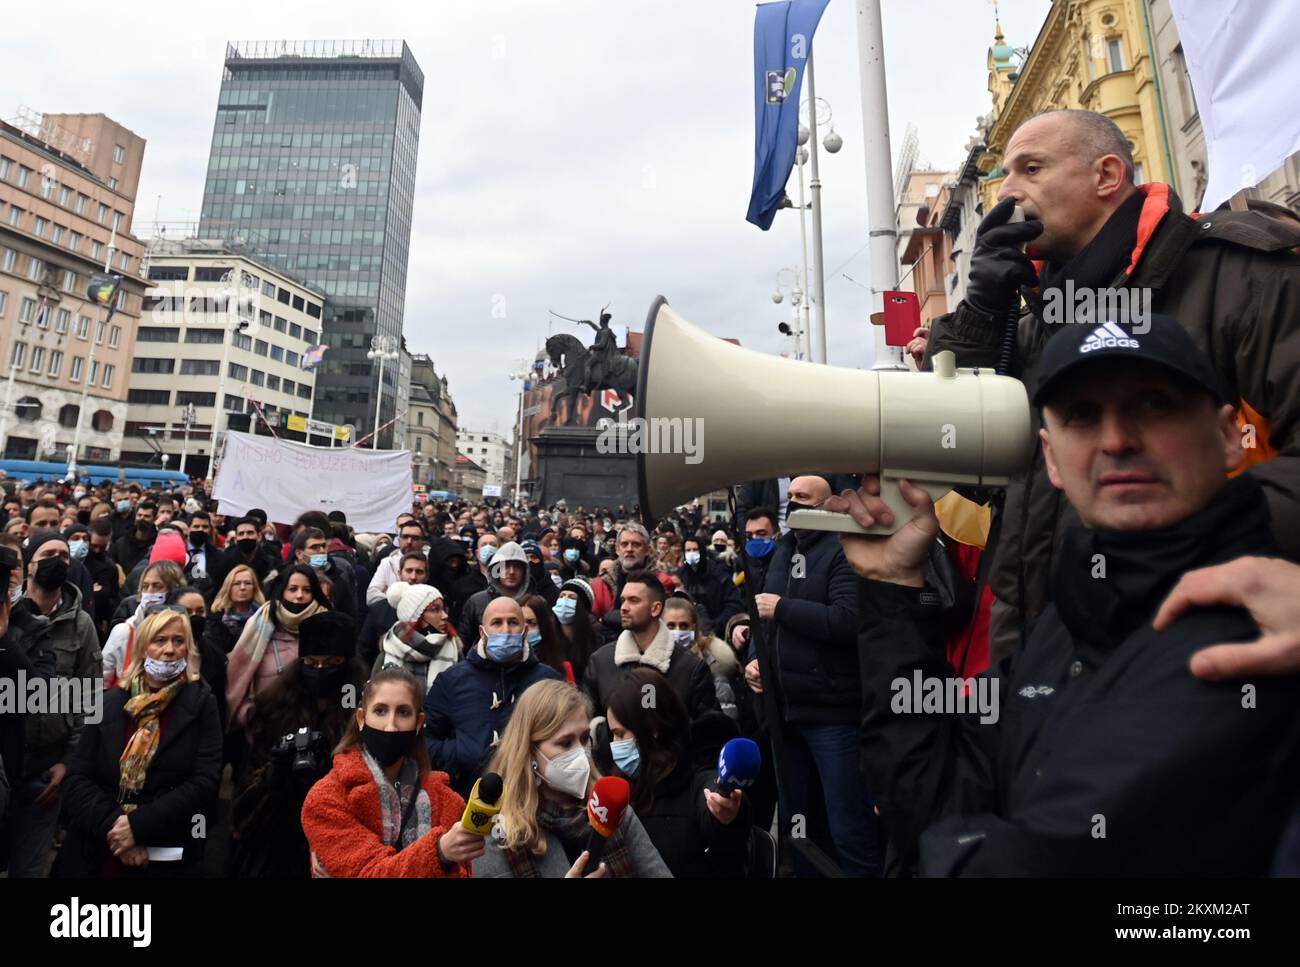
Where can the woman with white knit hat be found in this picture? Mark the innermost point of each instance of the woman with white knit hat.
(423, 641)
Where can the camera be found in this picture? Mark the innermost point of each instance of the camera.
(304, 753)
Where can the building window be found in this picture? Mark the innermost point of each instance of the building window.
(260, 347)
(65, 195)
(234, 403)
(169, 273)
(5, 167)
(197, 335)
(211, 273)
(304, 391)
(200, 367)
(99, 334)
(94, 374)
(108, 381)
(18, 355)
(237, 372)
(41, 225)
(68, 415)
(1115, 54)
(34, 269)
(1185, 92)
(283, 296)
(290, 387)
(47, 187)
(160, 334)
(298, 302)
(277, 354)
(83, 327)
(243, 341)
(146, 364)
(1139, 178)
(62, 321)
(102, 421)
(81, 203)
(258, 378)
(29, 408)
(117, 221)
(273, 382)
(26, 309)
(119, 154)
(291, 358)
(268, 289)
(295, 330)
(151, 397)
(281, 325)
(75, 373)
(185, 397)
(23, 174)
(95, 249)
(10, 259)
(74, 241)
(114, 337)
(102, 217)
(4, 301)
(69, 281)
(124, 262)
(57, 235)
(38, 358)
(15, 215)
(56, 363)
(313, 310)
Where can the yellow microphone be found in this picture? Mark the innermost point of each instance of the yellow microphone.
(484, 804)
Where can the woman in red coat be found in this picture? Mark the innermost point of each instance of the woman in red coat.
(382, 811)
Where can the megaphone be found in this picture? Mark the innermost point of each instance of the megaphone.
(939, 429)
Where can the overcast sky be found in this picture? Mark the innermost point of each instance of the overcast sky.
(572, 153)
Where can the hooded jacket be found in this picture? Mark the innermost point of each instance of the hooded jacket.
(689, 676)
(710, 584)
(52, 736)
(471, 615)
(468, 706)
(1104, 755)
(1232, 281)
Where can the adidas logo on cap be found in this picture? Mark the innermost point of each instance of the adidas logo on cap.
(1108, 336)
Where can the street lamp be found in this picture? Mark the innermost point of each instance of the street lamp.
(818, 112)
(799, 303)
(240, 318)
(382, 348)
(523, 373)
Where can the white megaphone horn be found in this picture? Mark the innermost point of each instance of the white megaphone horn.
(773, 416)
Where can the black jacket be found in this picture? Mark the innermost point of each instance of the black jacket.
(380, 616)
(25, 647)
(714, 591)
(264, 563)
(688, 675)
(1107, 756)
(815, 625)
(181, 783)
(103, 571)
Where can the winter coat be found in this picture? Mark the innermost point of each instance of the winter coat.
(560, 854)
(472, 614)
(1231, 280)
(243, 680)
(385, 574)
(52, 737)
(104, 572)
(380, 616)
(688, 675)
(344, 824)
(467, 709)
(1106, 756)
(714, 591)
(24, 648)
(181, 784)
(814, 625)
(425, 659)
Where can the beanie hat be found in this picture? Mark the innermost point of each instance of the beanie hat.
(328, 633)
(411, 600)
(719, 537)
(35, 540)
(169, 547)
(581, 587)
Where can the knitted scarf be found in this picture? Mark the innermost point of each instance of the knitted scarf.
(407, 643)
(145, 709)
(395, 803)
(258, 631)
(570, 825)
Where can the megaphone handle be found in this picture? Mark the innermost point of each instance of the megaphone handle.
(824, 520)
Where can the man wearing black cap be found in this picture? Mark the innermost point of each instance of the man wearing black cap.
(1100, 753)
(51, 734)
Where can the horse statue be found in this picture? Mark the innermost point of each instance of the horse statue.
(575, 374)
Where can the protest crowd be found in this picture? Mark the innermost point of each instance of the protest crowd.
(1106, 683)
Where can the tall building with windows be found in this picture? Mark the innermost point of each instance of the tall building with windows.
(67, 194)
(312, 170)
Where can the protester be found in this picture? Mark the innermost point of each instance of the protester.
(681, 618)
(382, 810)
(157, 581)
(381, 615)
(239, 598)
(105, 577)
(545, 765)
(507, 577)
(542, 632)
(1139, 436)
(634, 556)
(709, 584)
(469, 704)
(141, 775)
(411, 539)
(422, 641)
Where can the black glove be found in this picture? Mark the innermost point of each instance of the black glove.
(998, 266)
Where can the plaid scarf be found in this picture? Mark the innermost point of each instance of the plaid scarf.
(395, 803)
(570, 825)
(140, 749)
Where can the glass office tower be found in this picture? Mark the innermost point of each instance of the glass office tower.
(312, 169)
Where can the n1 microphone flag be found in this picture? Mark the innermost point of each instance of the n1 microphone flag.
(783, 35)
(1241, 58)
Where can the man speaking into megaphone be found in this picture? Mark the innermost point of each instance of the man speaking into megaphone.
(1106, 756)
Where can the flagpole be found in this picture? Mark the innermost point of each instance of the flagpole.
(817, 343)
(90, 363)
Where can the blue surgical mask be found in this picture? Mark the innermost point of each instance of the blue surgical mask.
(78, 549)
(564, 610)
(485, 553)
(318, 561)
(626, 756)
(572, 555)
(534, 638)
(123, 506)
(759, 546)
(504, 646)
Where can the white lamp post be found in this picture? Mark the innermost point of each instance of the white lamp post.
(382, 348)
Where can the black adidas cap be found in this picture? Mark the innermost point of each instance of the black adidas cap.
(1162, 342)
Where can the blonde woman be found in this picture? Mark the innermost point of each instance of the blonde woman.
(237, 601)
(683, 620)
(545, 762)
(151, 764)
(159, 579)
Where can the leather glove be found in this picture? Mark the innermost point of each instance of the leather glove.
(998, 265)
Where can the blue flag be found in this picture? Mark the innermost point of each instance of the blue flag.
(783, 34)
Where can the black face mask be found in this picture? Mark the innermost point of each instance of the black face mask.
(294, 607)
(146, 533)
(720, 548)
(51, 573)
(197, 623)
(247, 546)
(83, 517)
(387, 747)
(323, 682)
(198, 538)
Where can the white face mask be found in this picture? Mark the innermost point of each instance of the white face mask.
(15, 594)
(164, 671)
(569, 772)
(683, 636)
(152, 599)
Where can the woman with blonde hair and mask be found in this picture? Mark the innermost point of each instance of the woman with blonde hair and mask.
(159, 579)
(149, 766)
(544, 761)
